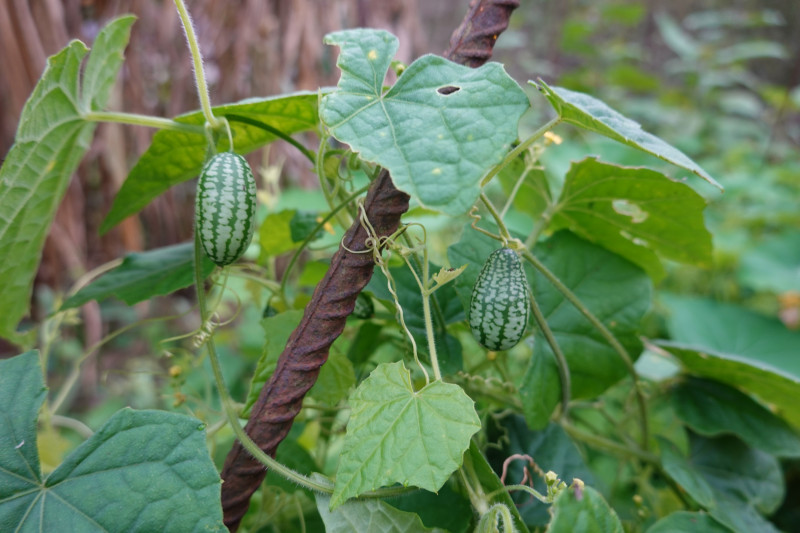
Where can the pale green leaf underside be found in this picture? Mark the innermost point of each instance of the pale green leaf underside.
(436, 146)
(636, 212)
(398, 435)
(369, 515)
(592, 114)
(143, 275)
(51, 140)
(174, 157)
(142, 471)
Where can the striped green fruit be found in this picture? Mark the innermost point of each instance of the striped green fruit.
(498, 310)
(225, 207)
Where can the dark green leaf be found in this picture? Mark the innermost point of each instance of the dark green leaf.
(684, 522)
(144, 275)
(51, 140)
(590, 113)
(551, 449)
(302, 224)
(446, 508)
(436, 144)
(770, 384)
(712, 408)
(540, 389)
(335, 379)
(679, 469)
(583, 510)
(174, 157)
(533, 195)
(398, 435)
(142, 470)
(635, 212)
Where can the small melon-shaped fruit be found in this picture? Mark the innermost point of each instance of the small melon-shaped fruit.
(225, 207)
(498, 311)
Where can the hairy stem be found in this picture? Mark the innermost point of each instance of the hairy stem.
(197, 62)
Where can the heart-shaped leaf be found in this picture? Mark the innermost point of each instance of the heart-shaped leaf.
(437, 130)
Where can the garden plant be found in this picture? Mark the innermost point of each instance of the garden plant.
(452, 336)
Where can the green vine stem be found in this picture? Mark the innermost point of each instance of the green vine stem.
(602, 443)
(197, 61)
(225, 398)
(605, 333)
(516, 152)
(561, 361)
(135, 119)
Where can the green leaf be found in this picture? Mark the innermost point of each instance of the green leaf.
(398, 435)
(144, 275)
(771, 384)
(275, 233)
(51, 140)
(533, 195)
(448, 508)
(436, 144)
(679, 469)
(174, 157)
(302, 224)
(728, 328)
(745, 481)
(773, 265)
(590, 113)
(635, 212)
(446, 309)
(551, 449)
(616, 291)
(335, 379)
(368, 515)
(583, 510)
(141, 471)
(683, 521)
(540, 389)
(712, 408)
(277, 330)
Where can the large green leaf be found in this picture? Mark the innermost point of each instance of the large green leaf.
(437, 130)
(769, 383)
(51, 140)
(684, 521)
(745, 482)
(592, 114)
(712, 408)
(369, 515)
(616, 291)
(174, 157)
(636, 212)
(398, 435)
(677, 466)
(144, 275)
(583, 510)
(142, 471)
(773, 265)
(728, 328)
(551, 449)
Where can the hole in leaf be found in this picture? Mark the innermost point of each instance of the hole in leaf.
(630, 209)
(448, 89)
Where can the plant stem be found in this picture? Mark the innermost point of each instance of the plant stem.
(225, 399)
(608, 445)
(524, 145)
(605, 333)
(561, 361)
(135, 119)
(197, 60)
(426, 313)
(497, 217)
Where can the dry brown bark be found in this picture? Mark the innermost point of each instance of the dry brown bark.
(333, 300)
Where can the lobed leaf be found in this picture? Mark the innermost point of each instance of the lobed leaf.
(51, 140)
(142, 471)
(437, 130)
(399, 435)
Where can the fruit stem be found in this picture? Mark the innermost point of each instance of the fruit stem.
(197, 61)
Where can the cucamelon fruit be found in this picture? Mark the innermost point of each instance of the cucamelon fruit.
(498, 310)
(225, 207)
